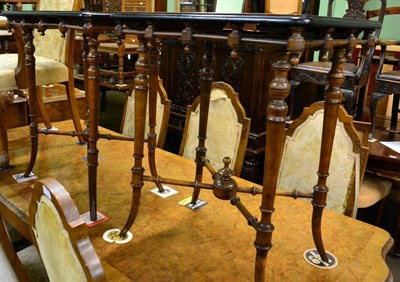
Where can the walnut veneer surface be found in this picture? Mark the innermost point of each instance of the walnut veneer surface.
(172, 243)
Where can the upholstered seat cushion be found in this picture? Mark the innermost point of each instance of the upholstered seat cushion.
(324, 67)
(373, 189)
(8, 62)
(47, 71)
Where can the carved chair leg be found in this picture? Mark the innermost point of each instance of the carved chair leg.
(373, 102)
(74, 109)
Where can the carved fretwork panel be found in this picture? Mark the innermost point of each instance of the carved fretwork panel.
(232, 71)
(355, 10)
(187, 79)
(114, 6)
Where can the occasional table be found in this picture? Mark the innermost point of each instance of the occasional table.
(288, 35)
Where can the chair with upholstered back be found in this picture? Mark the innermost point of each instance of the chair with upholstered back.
(61, 235)
(162, 115)
(356, 76)
(387, 82)
(21, 264)
(54, 61)
(349, 188)
(301, 157)
(227, 128)
(374, 188)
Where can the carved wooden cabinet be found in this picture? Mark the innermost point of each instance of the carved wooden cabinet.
(180, 74)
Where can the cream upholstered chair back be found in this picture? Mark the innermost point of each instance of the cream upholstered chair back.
(282, 7)
(301, 159)
(227, 128)
(162, 115)
(53, 45)
(61, 235)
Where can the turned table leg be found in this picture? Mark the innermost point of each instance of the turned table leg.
(33, 105)
(141, 89)
(206, 78)
(333, 97)
(93, 86)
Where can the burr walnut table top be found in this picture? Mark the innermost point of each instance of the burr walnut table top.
(173, 243)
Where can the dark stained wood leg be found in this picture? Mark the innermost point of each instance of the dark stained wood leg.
(121, 62)
(93, 86)
(333, 97)
(85, 66)
(141, 88)
(33, 104)
(5, 98)
(276, 117)
(206, 79)
(395, 114)
(373, 103)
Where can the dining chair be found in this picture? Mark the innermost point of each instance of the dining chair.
(374, 188)
(61, 235)
(118, 73)
(349, 187)
(162, 115)
(227, 128)
(356, 75)
(22, 265)
(386, 82)
(301, 159)
(54, 62)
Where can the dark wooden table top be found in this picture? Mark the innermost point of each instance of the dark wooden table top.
(383, 159)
